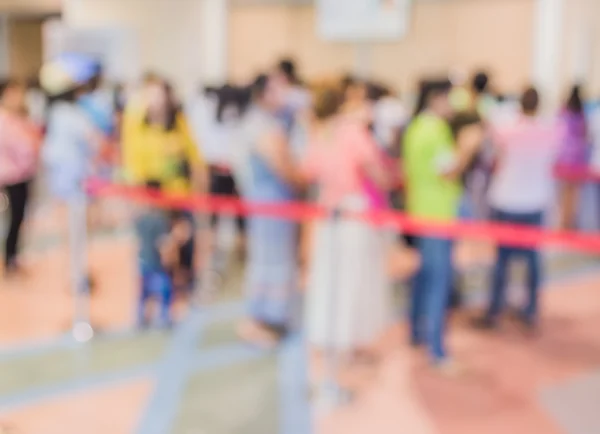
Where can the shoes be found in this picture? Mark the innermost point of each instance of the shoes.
(526, 321)
(484, 323)
(15, 269)
(416, 342)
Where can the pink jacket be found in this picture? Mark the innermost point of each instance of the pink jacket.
(19, 145)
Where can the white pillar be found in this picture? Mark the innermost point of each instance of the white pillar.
(582, 50)
(214, 28)
(547, 48)
(4, 46)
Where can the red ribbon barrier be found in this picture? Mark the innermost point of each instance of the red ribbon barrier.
(579, 174)
(505, 234)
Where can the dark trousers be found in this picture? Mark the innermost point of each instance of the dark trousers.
(430, 293)
(223, 184)
(187, 252)
(18, 197)
(505, 256)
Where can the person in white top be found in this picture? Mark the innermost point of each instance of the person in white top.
(389, 117)
(215, 119)
(520, 192)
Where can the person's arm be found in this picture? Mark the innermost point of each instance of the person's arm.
(273, 147)
(468, 142)
(372, 160)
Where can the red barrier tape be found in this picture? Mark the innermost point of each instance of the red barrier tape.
(505, 234)
(580, 174)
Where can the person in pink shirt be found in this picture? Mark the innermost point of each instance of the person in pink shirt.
(348, 291)
(19, 145)
(520, 193)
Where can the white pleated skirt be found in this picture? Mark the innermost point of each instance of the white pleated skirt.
(348, 302)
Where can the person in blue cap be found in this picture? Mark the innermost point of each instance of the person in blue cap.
(72, 140)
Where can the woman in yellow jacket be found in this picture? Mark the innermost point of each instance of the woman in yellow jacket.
(158, 149)
(157, 143)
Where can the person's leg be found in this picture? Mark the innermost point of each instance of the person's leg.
(166, 299)
(144, 296)
(418, 289)
(534, 271)
(438, 292)
(187, 255)
(240, 220)
(499, 275)
(466, 213)
(497, 294)
(18, 196)
(80, 280)
(214, 189)
(569, 192)
(534, 274)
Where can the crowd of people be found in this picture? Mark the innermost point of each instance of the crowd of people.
(463, 153)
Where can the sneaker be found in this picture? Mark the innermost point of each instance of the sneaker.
(15, 269)
(524, 320)
(416, 342)
(484, 323)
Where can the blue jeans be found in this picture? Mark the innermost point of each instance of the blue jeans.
(155, 284)
(430, 294)
(504, 257)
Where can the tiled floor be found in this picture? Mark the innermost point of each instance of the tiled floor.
(505, 374)
(111, 382)
(98, 410)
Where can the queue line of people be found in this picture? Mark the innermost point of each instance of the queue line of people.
(278, 140)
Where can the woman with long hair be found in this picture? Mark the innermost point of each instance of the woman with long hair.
(572, 157)
(348, 291)
(269, 174)
(19, 146)
(158, 148)
(520, 194)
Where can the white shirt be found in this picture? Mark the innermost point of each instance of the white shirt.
(389, 116)
(67, 145)
(214, 138)
(504, 113)
(527, 149)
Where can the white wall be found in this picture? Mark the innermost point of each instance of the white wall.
(168, 31)
(4, 47)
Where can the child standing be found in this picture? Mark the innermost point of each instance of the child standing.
(161, 236)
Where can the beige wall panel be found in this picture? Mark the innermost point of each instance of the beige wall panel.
(25, 48)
